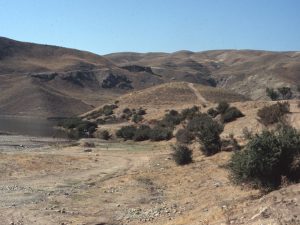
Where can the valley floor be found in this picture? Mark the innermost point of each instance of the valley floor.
(127, 183)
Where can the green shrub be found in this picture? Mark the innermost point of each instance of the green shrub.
(142, 133)
(272, 94)
(212, 112)
(285, 92)
(189, 113)
(108, 109)
(100, 121)
(267, 158)
(141, 111)
(231, 114)
(159, 133)
(137, 118)
(126, 132)
(222, 107)
(78, 128)
(274, 113)
(182, 155)
(70, 123)
(208, 133)
(184, 136)
(171, 119)
(104, 134)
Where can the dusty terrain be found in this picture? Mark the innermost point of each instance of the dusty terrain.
(128, 183)
(47, 81)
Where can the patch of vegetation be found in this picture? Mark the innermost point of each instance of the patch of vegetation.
(104, 134)
(231, 114)
(268, 158)
(126, 132)
(283, 93)
(106, 110)
(208, 133)
(182, 155)
(274, 113)
(189, 113)
(171, 119)
(142, 133)
(228, 113)
(222, 107)
(136, 118)
(212, 112)
(184, 136)
(78, 128)
(159, 133)
(272, 94)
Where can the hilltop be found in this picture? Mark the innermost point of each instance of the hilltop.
(43, 80)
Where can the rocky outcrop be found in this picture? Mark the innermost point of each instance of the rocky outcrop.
(136, 68)
(45, 76)
(117, 81)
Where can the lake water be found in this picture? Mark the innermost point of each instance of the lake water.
(30, 126)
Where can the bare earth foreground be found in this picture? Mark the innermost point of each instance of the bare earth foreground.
(47, 181)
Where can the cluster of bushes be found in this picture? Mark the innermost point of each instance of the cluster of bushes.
(136, 116)
(78, 128)
(228, 113)
(106, 110)
(207, 131)
(283, 93)
(269, 159)
(274, 113)
(144, 132)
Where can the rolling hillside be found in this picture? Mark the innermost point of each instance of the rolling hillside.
(43, 80)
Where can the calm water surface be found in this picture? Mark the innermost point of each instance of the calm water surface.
(30, 126)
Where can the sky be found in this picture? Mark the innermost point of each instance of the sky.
(107, 26)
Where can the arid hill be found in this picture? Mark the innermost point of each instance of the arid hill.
(43, 80)
(247, 72)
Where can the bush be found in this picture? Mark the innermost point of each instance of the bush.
(126, 132)
(189, 113)
(70, 123)
(182, 155)
(171, 119)
(104, 134)
(159, 133)
(267, 158)
(222, 107)
(141, 112)
(274, 113)
(231, 114)
(285, 93)
(142, 133)
(184, 136)
(212, 112)
(137, 118)
(108, 109)
(272, 94)
(208, 133)
(78, 128)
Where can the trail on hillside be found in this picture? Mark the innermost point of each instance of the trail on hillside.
(197, 93)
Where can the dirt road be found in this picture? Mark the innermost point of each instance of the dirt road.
(197, 93)
(124, 183)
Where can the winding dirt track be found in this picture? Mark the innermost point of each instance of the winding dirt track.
(197, 93)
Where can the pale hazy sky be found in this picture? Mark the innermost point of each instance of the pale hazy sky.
(105, 26)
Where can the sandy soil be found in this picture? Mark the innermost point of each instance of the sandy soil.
(124, 183)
